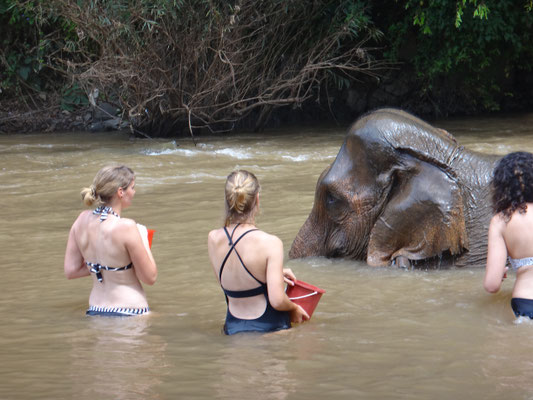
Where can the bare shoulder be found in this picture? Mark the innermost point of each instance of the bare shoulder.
(215, 236)
(497, 223)
(82, 217)
(269, 239)
(128, 222)
(84, 214)
(498, 220)
(214, 233)
(125, 226)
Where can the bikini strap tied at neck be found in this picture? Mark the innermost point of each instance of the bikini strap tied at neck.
(104, 212)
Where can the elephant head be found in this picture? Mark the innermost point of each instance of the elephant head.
(393, 191)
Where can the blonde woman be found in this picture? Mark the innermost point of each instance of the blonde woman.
(110, 248)
(248, 264)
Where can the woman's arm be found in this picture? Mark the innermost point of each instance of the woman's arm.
(74, 266)
(496, 256)
(275, 282)
(212, 250)
(139, 251)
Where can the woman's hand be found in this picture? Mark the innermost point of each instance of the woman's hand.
(298, 314)
(288, 276)
(505, 273)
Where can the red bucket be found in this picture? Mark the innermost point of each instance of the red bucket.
(305, 295)
(150, 236)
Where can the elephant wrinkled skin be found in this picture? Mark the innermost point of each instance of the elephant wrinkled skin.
(400, 191)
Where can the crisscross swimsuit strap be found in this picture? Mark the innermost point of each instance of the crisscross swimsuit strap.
(96, 268)
(239, 293)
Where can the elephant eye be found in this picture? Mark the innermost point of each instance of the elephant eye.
(331, 199)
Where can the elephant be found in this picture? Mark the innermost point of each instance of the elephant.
(400, 192)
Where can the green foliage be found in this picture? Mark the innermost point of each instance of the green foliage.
(474, 44)
(217, 59)
(30, 35)
(481, 11)
(72, 97)
(211, 62)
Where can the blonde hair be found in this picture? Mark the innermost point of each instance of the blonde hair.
(106, 183)
(241, 193)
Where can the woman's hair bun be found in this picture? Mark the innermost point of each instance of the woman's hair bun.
(88, 195)
(106, 183)
(241, 191)
(238, 199)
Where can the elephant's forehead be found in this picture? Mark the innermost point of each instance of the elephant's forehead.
(355, 164)
(342, 164)
(352, 185)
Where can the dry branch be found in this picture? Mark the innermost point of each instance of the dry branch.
(213, 67)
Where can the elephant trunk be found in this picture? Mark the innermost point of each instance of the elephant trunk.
(308, 241)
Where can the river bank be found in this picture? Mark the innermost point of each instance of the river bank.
(396, 88)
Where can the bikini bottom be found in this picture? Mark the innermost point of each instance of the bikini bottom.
(116, 311)
(522, 307)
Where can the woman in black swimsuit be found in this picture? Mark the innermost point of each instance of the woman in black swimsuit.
(248, 264)
(510, 236)
(114, 250)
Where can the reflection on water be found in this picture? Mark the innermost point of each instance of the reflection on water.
(246, 367)
(377, 333)
(116, 356)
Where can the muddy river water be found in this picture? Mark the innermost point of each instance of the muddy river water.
(378, 333)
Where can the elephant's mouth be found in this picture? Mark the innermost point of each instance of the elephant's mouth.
(349, 242)
(349, 237)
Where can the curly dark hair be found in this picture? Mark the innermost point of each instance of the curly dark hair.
(512, 183)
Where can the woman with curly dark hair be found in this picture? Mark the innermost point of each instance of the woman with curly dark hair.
(511, 230)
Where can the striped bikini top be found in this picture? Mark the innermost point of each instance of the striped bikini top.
(104, 212)
(96, 268)
(520, 262)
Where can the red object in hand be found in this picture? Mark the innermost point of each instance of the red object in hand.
(305, 295)
(150, 236)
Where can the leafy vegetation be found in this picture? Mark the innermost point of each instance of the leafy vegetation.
(184, 65)
(469, 52)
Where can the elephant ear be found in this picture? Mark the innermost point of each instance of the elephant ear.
(423, 217)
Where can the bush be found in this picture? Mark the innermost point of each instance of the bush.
(468, 53)
(210, 64)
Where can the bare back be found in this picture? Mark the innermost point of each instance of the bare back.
(104, 243)
(518, 236)
(258, 251)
